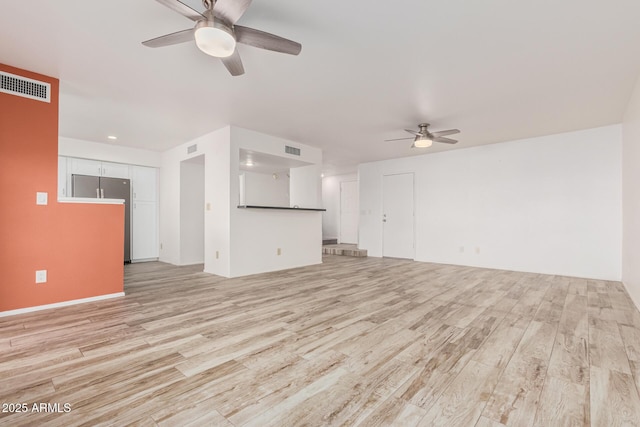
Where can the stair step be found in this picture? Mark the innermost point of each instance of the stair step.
(344, 250)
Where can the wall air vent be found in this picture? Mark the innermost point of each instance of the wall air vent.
(292, 150)
(192, 148)
(24, 87)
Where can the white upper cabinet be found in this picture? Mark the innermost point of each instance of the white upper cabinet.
(115, 170)
(97, 168)
(144, 183)
(84, 167)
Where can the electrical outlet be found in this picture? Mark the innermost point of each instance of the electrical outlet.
(208, 206)
(217, 255)
(41, 276)
(160, 246)
(279, 251)
(477, 250)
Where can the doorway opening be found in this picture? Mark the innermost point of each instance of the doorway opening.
(192, 211)
(349, 212)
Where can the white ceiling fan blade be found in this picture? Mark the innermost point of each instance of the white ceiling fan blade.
(445, 132)
(231, 10)
(234, 64)
(413, 132)
(445, 140)
(182, 9)
(170, 39)
(262, 40)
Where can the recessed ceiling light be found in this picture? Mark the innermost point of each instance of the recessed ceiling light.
(112, 137)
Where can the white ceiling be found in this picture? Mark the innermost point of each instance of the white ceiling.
(497, 69)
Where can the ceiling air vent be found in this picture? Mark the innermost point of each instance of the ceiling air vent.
(22, 86)
(192, 148)
(292, 150)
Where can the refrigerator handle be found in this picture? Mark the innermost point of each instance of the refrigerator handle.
(97, 193)
(102, 193)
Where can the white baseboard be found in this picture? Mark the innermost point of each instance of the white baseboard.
(59, 304)
(134, 261)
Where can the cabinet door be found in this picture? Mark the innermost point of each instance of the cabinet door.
(144, 227)
(62, 177)
(115, 170)
(85, 167)
(144, 183)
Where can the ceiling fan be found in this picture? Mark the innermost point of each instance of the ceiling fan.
(216, 32)
(423, 138)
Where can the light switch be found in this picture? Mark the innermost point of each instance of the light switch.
(42, 198)
(41, 276)
(208, 206)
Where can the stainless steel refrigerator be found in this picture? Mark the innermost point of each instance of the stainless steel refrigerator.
(107, 188)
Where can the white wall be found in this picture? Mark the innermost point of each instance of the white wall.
(631, 196)
(549, 205)
(246, 241)
(108, 152)
(192, 211)
(306, 186)
(215, 147)
(263, 189)
(331, 202)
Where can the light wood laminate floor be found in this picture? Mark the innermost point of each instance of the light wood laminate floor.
(354, 341)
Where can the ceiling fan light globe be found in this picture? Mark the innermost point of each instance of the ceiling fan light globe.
(215, 39)
(422, 142)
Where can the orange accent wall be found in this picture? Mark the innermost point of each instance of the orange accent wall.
(80, 245)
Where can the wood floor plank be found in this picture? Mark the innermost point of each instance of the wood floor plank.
(606, 348)
(200, 413)
(500, 346)
(563, 404)
(514, 399)
(614, 398)
(352, 341)
(570, 359)
(282, 414)
(462, 402)
(631, 339)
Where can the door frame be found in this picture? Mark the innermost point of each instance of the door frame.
(413, 225)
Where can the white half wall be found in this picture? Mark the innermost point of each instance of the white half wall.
(549, 205)
(631, 197)
(257, 234)
(108, 152)
(331, 202)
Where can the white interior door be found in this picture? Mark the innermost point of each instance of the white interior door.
(397, 216)
(349, 212)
